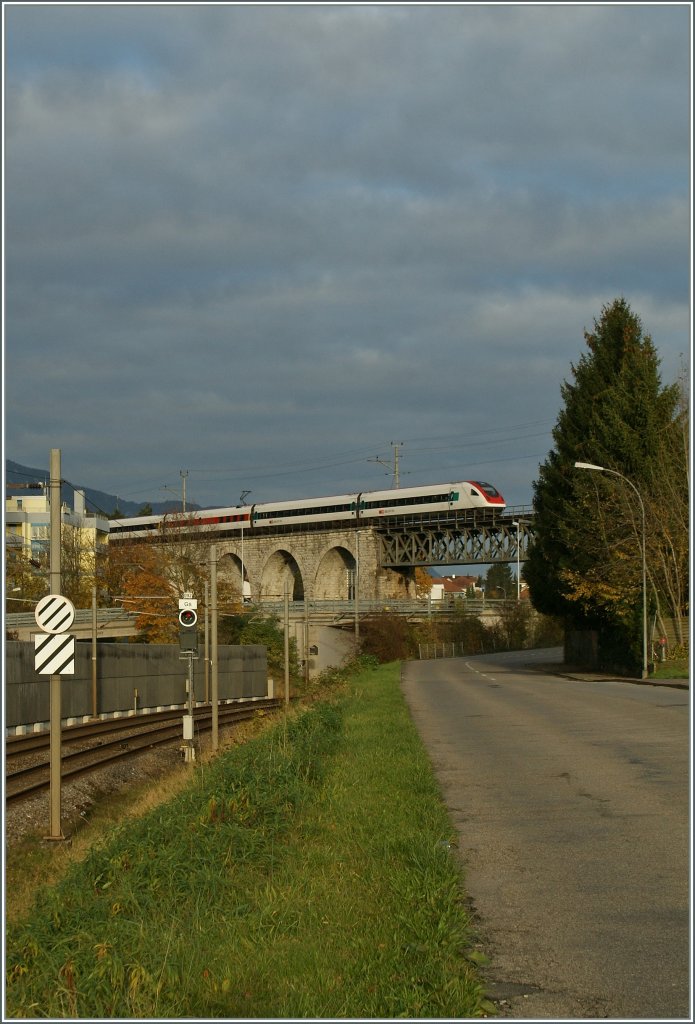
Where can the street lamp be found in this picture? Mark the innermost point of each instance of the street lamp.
(614, 472)
(518, 523)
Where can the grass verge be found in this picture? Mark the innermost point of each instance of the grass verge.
(676, 668)
(305, 874)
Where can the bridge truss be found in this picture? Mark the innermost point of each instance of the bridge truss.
(458, 542)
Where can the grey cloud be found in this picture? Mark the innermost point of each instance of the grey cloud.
(241, 234)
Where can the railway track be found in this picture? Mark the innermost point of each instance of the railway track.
(85, 748)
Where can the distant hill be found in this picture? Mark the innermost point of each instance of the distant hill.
(96, 501)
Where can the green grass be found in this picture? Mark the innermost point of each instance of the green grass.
(305, 874)
(676, 668)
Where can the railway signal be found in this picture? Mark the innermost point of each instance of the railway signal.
(188, 649)
(188, 633)
(188, 617)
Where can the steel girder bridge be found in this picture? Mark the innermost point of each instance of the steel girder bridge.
(459, 539)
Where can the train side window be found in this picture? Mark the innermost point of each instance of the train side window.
(475, 493)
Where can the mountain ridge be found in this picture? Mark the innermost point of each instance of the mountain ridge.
(97, 501)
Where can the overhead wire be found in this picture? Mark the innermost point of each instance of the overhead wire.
(357, 455)
(316, 465)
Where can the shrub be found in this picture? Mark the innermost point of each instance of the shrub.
(387, 637)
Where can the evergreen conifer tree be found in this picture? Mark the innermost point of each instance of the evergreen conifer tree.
(585, 562)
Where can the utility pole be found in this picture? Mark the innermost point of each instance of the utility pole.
(396, 478)
(55, 708)
(357, 592)
(242, 498)
(287, 643)
(306, 639)
(214, 685)
(183, 473)
(94, 652)
(207, 642)
(396, 474)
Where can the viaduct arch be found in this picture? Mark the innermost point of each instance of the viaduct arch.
(321, 565)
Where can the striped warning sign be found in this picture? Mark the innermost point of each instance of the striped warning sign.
(54, 613)
(54, 654)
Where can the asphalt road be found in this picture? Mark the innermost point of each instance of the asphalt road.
(571, 800)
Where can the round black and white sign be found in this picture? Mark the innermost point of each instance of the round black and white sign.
(54, 613)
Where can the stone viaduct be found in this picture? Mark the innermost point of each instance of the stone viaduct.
(317, 565)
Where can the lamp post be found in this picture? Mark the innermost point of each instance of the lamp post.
(518, 524)
(518, 578)
(614, 472)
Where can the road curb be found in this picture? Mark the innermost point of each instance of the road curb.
(601, 677)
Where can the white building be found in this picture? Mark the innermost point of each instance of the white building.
(28, 526)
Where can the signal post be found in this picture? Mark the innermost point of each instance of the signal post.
(188, 651)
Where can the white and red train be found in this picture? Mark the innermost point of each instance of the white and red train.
(363, 507)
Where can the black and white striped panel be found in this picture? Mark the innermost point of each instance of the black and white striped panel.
(54, 654)
(54, 613)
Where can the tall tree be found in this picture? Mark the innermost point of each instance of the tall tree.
(500, 581)
(585, 563)
(151, 575)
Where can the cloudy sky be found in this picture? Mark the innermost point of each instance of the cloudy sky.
(267, 245)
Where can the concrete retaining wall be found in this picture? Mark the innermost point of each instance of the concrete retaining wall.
(154, 670)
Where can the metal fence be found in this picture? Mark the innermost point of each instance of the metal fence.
(428, 652)
(82, 616)
(396, 606)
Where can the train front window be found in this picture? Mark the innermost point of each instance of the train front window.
(488, 489)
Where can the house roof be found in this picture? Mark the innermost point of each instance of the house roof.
(458, 584)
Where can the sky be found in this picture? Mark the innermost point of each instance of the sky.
(273, 246)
